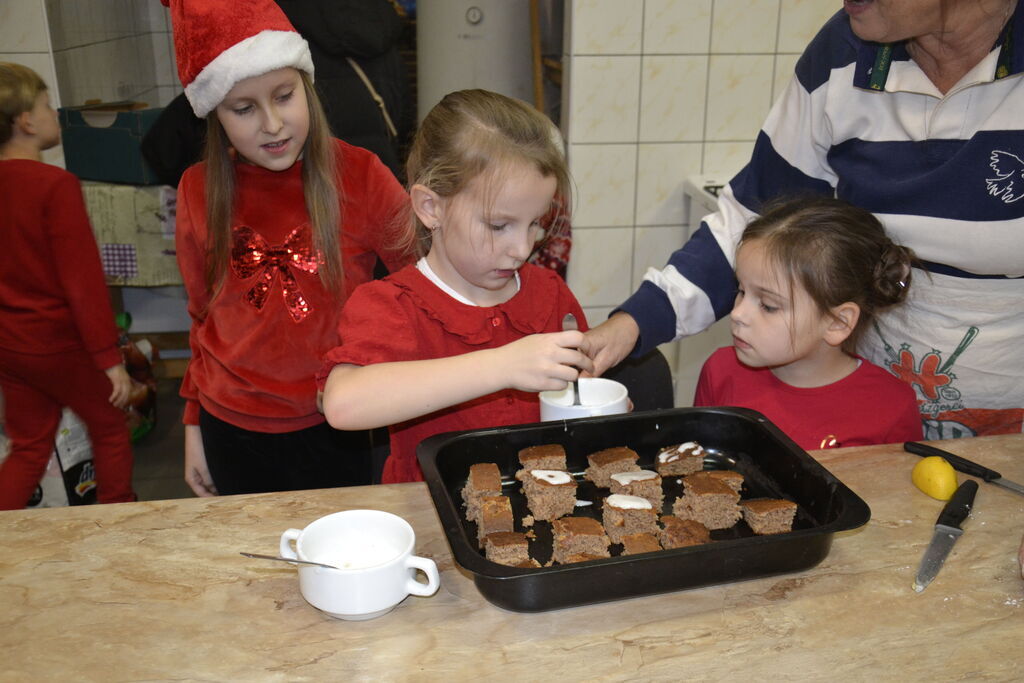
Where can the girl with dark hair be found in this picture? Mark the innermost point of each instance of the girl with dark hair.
(812, 275)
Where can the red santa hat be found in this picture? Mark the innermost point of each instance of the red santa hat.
(220, 42)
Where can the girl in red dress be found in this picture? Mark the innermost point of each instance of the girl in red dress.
(812, 273)
(275, 228)
(466, 337)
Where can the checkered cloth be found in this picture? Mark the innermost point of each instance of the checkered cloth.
(119, 260)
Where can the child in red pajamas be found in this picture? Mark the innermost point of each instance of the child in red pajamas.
(58, 342)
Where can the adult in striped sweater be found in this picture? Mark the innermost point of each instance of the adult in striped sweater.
(909, 109)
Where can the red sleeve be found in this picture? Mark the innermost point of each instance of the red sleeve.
(705, 394)
(908, 425)
(384, 210)
(192, 264)
(81, 272)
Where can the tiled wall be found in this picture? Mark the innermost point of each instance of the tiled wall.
(24, 39)
(658, 90)
(112, 50)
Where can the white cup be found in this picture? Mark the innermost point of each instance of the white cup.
(598, 396)
(376, 568)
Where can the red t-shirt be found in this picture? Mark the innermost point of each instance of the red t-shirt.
(407, 317)
(256, 347)
(53, 294)
(868, 406)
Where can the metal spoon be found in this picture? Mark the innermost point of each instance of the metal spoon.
(287, 559)
(569, 323)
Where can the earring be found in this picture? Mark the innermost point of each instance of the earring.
(435, 226)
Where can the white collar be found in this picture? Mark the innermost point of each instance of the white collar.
(427, 271)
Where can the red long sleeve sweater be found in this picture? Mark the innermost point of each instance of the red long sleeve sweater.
(257, 345)
(53, 295)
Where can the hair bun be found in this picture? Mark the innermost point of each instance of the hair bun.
(892, 275)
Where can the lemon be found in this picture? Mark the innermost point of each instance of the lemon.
(935, 476)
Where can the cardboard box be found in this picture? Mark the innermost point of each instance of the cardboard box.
(102, 142)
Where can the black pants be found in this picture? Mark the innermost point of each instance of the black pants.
(241, 461)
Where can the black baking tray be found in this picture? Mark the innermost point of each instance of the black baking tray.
(734, 438)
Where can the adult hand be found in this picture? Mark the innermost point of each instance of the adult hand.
(197, 474)
(610, 342)
(122, 386)
(542, 362)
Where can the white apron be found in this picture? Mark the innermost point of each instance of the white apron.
(960, 343)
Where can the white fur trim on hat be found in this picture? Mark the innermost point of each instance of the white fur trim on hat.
(254, 56)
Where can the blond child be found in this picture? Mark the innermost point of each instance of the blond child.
(58, 341)
(468, 336)
(275, 228)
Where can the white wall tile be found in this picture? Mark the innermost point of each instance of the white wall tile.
(659, 188)
(23, 26)
(800, 21)
(599, 275)
(604, 99)
(605, 177)
(672, 98)
(744, 26)
(597, 314)
(606, 27)
(162, 60)
(674, 27)
(784, 69)
(725, 159)
(739, 95)
(652, 246)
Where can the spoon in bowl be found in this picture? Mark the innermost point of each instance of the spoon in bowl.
(287, 559)
(569, 323)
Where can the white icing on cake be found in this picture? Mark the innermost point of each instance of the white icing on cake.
(624, 502)
(627, 478)
(553, 477)
(672, 453)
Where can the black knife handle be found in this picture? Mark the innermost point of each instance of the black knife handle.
(959, 506)
(958, 463)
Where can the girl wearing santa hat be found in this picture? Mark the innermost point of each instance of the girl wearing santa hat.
(275, 228)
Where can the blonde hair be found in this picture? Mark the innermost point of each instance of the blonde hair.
(320, 187)
(472, 132)
(19, 88)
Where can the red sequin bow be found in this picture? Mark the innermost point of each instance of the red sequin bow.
(250, 255)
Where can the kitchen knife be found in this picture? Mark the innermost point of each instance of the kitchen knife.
(964, 465)
(947, 531)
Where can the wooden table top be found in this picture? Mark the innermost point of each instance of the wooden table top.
(157, 591)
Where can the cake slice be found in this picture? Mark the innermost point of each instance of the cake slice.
(605, 463)
(509, 548)
(706, 500)
(574, 536)
(550, 494)
(769, 515)
(624, 515)
(680, 459)
(634, 544)
(643, 483)
(681, 533)
(545, 457)
(731, 478)
(495, 515)
(484, 480)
